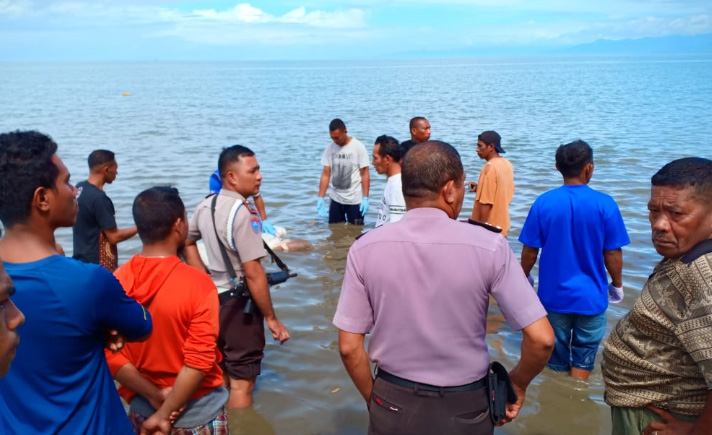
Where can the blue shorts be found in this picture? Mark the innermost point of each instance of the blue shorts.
(345, 212)
(577, 339)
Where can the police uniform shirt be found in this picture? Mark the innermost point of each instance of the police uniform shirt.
(246, 233)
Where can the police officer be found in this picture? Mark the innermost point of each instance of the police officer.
(421, 287)
(237, 224)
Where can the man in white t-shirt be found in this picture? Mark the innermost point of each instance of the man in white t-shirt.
(386, 160)
(346, 174)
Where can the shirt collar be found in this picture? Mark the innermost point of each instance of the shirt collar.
(700, 249)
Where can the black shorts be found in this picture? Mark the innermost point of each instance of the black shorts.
(241, 339)
(399, 410)
(350, 213)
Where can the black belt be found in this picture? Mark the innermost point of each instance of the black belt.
(396, 380)
(232, 293)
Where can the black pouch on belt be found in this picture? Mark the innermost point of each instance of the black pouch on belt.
(500, 391)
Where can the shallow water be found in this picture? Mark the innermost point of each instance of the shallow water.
(637, 114)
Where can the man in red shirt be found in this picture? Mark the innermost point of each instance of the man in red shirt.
(177, 368)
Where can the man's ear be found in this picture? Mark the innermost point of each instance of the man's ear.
(448, 192)
(41, 200)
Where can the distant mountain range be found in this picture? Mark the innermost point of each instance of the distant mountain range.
(676, 44)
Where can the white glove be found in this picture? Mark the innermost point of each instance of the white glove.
(531, 280)
(615, 294)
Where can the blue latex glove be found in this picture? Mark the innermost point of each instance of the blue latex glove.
(363, 208)
(531, 280)
(268, 228)
(320, 207)
(615, 294)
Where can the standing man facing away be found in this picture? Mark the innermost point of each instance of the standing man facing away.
(657, 362)
(419, 133)
(495, 187)
(95, 233)
(580, 232)
(60, 382)
(10, 319)
(182, 351)
(346, 174)
(386, 160)
(237, 224)
(432, 268)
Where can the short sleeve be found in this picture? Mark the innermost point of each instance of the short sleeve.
(193, 228)
(354, 313)
(326, 156)
(363, 160)
(104, 213)
(247, 234)
(117, 311)
(487, 186)
(531, 231)
(516, 298)
(616, 235)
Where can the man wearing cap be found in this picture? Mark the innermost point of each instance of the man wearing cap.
(419, 133)
(430, 267)
(495, 188)
(657, 362)
(580, 232)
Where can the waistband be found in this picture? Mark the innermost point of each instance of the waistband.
(401, 382)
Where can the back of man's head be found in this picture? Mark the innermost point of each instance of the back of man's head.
(25, 164)
(427, 167)
(694, 172)
(389, 146)
(231, 155)
(337, 124)
(155, 211)
(99, 158)
(573, 157)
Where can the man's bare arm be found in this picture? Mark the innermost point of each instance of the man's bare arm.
(259, 291)
(192, 256)
(355, 359)
(614, 265)
(116, 235)
(260, 205)
(324, 180)
(365, 180)
(529, 256)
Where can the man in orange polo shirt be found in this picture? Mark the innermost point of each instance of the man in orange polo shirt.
(177, 367)
(495, 187)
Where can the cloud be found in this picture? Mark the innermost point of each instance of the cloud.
(246, 13)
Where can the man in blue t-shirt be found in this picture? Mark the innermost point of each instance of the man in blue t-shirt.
(580, 232)
(59, 383)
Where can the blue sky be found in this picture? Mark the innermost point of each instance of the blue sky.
(331, 30)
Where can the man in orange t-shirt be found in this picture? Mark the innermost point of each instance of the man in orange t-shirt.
(495, 188)
(177, 367)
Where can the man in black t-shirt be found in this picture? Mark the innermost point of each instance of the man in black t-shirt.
(95, 233)
(419, 132)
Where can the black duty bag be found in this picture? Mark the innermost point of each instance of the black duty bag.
(500, 391)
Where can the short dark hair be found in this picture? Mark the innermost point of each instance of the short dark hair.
(100, 157)
(155, 210)
(695, 172)
(428, 166)
(573, 157)
(25, 164)
(337, 124)
(389, 147)
(414, 121)
(232, 154)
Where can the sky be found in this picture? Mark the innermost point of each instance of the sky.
(98, 30)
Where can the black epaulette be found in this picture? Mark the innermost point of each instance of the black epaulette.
(485, 225)
(210, 194)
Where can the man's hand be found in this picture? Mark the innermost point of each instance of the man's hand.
(320, 207)
(363, 208)
(156, 425)
(472, 185)
(514, 408)
(113, 340)
(279, 331)
(669, 426)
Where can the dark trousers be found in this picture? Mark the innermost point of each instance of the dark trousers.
(399, 410)
(345, 212)
(241, 339)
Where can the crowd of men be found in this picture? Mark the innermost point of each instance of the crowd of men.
(185, 341)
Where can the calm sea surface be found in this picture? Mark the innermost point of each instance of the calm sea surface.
(637, 114)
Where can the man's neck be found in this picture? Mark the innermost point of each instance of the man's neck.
(164, 248)
(492, 156)
(25, 243)
(96, 180)
(575, 181)
(393, 170)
